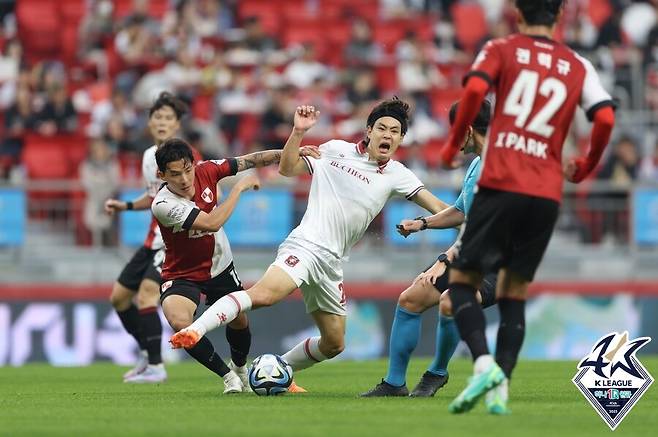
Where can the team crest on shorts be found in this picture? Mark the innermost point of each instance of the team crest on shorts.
(292, 261)
(207, 195)
(165, 286)
(611, 377)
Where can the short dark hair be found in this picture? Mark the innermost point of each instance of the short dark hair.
(165, 98)
(540, 12)
(395, 108)
(173, 149)
(481, 122)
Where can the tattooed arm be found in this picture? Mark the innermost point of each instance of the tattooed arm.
(258, 159)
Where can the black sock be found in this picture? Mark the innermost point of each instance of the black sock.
(510, 333)
(204, 352)
(152, 329)
(240, 342)
(469, 318)
(130, 321)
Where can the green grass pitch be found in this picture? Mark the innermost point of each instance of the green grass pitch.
(38, 400)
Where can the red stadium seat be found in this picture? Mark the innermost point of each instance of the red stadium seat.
(267, 11)
(38, 27)
(599, 11)
(470, 24)
(45, 160)
(387, 77)
(72, 10)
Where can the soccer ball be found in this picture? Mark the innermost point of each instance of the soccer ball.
(270, 375)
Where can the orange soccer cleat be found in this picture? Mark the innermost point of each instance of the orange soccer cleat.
(294, 388)
(184, 339)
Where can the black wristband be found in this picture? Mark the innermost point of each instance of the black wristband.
(444, 259)
(424, 220)
(129, 205)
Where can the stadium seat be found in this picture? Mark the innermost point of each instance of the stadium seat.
(599, 11)
(38, 27)
(387, 77)
(470, 25)
(267, 11)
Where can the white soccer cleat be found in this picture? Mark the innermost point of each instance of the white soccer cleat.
(243, 374)
(232, 383)
(140, 366)
(153, 374)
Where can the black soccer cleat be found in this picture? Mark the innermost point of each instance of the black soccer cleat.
(428, 385)
(384, 389)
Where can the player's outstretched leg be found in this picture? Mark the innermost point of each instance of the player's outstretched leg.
(221, 313)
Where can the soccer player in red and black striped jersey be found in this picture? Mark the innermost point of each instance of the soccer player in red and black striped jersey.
(538, 83)
(198, 256)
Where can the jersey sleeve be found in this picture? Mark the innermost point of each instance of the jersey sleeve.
(407, 183)
(219, 168)
(487, 64)
(593, 96)
(172, 213)
(459, 203)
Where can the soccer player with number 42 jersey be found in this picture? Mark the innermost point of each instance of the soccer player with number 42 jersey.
(538, 84)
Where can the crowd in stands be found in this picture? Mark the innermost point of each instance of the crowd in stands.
(80, 73)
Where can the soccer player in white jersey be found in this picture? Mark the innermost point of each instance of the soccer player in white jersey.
(351, 184)
(140, 278)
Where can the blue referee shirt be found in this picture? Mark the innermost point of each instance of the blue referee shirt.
(465, 199)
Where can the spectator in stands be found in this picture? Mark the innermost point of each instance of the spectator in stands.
(119, 105)
(100, 177)
(623, 164)
(275, 122)
(306, 69)
(116, 137)
(134, 42)
(363, 88)
(58, 114)
(255, 37)
(417, 74)
(19, 119)
(95, 29)
(415, 161)
(361, 49)
(10, 60)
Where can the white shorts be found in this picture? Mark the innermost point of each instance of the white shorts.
(318, 274)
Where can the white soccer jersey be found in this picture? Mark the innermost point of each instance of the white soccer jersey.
(347, 193)
(153, 183)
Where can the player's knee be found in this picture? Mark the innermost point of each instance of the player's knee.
(179, 321)
(261, 297)
(120, 301)
(334, 348)
(410, 302)
(148, 295)
(445, 305)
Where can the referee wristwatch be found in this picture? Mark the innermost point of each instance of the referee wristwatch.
(443, 258)
(424, 220)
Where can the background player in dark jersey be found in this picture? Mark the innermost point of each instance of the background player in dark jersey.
(141, 275)
(538, 84)
(198, 255)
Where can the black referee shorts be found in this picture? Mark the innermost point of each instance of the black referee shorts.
(507, 230)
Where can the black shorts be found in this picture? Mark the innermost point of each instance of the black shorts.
(487, 288)
(145, 264)
(507, 230)
(214, 288)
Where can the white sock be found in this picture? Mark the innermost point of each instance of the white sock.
(222, 312)
(482, 363)
(305, 354)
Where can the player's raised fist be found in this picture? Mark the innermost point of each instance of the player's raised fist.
(249, 182)
(305, 117)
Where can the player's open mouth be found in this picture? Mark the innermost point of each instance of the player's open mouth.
(384, 147)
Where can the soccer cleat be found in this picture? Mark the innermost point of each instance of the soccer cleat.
(294, 388)
(496, 400)
(140, 366)
(185, 338)
(153, 374)
(477, 386)
(243, 374)
(385, 389)
(232, 383)
(428, 385)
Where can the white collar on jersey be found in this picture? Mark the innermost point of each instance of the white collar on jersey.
(361, 149)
